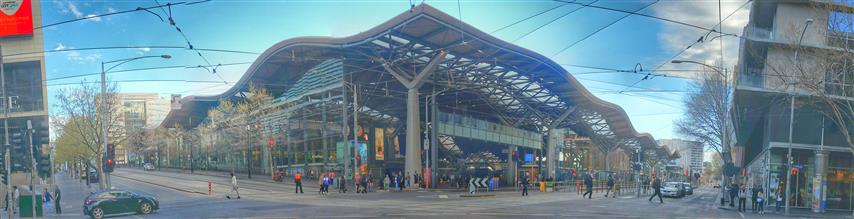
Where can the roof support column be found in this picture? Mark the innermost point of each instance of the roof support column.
(412, 161)
(551, 143)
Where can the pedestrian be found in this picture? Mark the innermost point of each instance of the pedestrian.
(760, 202)
(15, 196)
(365, 180)
(233, 187)
(742, 199)
(779, 196)
(47, 200)
(656, 188)
(406, 180)
(298, 182)
(396, 184)
(326, 182)
(400, 183)
(386, 182)
(610, 185)
(342, 185)
(525, 186)
(588, 183)
(56, 196)
(733, 194)
(753, 192)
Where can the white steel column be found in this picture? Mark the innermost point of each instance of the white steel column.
(412, 161)
(551, 153)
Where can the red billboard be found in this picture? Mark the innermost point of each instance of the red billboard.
(17, 17)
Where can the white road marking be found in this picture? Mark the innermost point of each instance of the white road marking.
(742, 215)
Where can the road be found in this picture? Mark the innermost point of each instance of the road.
(186, 196)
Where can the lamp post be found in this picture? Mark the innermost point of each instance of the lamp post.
(789, 159)
(104, 125)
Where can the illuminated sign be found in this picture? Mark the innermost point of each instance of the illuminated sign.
(17, 18)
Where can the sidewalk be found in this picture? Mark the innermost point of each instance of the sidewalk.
(793, 212)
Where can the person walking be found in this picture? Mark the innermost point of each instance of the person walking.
(56, 196)
(298, 182)
(779, 196)
(364, 184)
(733, 194)
(525, 184)
(342, 185)
(47, 200)
(656, 189)
(610, 185)
(588, 183)
(753, 193)
(742, 199)
(233, 187)
(386, 182)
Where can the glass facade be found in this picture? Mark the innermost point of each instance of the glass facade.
(24, 84)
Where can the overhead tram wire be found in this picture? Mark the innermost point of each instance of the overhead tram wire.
(553, 20)
(527, 18)
(138, 9)
(604, 27)
(127, 47)
(653, 17)
(700, 40)
(186, 39)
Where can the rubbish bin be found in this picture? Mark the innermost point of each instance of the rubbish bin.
(25, 205)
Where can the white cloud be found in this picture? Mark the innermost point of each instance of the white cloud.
(93, 18)
(111, 10)
(59, 46)
(73, 8)
(705, 14)
(143, 51)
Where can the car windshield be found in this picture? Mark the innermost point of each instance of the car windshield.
(428, 108)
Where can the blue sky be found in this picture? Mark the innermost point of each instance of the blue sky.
(256, 25)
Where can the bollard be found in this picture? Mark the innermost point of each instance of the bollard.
(209, 187)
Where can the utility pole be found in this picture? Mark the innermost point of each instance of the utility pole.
(355, 130)
(32, 164)
(8, 158)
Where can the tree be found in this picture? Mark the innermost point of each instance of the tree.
(82, 104)
(236, 121)
(707, 116)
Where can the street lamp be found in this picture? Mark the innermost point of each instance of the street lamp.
(103, 113)
(789, 159)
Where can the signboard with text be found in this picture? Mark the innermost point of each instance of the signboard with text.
(17, 18)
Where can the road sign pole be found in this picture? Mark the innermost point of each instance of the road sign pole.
(6, 134)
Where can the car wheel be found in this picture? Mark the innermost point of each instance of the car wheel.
(145, 208)
(97, 213)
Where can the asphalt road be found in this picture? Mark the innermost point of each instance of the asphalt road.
(186, 196)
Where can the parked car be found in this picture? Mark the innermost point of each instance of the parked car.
(118, 202)
(688, 189)
(148, 166)
(672, 189)
(91, 175)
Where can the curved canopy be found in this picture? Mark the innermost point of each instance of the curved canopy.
(478, 73)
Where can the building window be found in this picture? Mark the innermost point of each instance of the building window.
(24, 84)
(840, 26)
(839, 79)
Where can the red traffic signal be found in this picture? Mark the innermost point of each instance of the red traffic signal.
(795, 171)
(110, 161)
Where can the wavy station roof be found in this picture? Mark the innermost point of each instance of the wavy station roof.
(480, 75)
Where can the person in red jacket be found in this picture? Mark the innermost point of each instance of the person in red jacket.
(298, 181)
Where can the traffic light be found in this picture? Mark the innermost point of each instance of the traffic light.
(44, 166)
(3, 177)
(20, 153)
(110, 158)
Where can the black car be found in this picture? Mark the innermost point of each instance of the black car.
(118, 202)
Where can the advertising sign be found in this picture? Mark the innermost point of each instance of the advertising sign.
(379, 142)
(17, 18)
